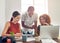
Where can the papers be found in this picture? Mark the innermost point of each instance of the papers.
(18, 38)
(48, 41)
(19, 42)
(30, 39)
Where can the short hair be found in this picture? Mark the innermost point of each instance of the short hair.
(46, 17)
(30, 7)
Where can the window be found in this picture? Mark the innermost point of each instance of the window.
(41, 6)
(25, 4)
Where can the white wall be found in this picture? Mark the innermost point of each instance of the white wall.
(11, 6)
(54, 11)
(2, 15)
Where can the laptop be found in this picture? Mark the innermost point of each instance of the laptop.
(47, 32)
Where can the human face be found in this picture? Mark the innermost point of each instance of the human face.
(42, 20)
(16, 19)
(30, 11)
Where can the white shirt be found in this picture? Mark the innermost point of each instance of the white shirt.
(29, 21)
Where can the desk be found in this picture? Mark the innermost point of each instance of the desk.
(58, 41)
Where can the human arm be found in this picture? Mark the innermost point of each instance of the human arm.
(7, 25)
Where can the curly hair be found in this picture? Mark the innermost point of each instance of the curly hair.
(46, 17)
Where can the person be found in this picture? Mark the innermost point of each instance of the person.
(12, 28)
(29, 21)
(44, 21)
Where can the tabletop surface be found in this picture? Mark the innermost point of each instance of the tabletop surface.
(55, 41)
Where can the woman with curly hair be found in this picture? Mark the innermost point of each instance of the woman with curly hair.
(44, 21)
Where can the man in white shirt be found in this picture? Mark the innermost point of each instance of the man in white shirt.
(29, 20)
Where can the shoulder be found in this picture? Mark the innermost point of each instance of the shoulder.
(7, 23)
(18, 24)
(24, 14)
(38, 26)
(35, 15)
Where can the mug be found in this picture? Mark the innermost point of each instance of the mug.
(37, 38)
(24, 38)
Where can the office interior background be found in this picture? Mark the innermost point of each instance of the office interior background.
(51, 7)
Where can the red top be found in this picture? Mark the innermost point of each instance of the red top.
(13, 28)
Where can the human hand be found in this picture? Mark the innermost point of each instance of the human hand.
(18, 34)
(33, 27)
(45, 24)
